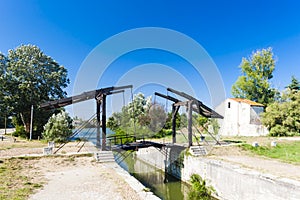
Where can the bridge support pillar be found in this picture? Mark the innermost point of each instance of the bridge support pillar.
(103, 122)
(190, 123)
(98, 124)
(175, 110)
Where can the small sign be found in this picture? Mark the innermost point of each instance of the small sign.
(48, 150)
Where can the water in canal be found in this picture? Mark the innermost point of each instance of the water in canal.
(164, 186)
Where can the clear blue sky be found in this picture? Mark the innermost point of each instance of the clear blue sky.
(228, 30)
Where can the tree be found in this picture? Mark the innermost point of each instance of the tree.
(139, 106)
(140, 114)
(58, 128)
(183, 120)
(157, 116)
(254, 83)
(3, 99)
(178, 118)
(283, 118)
(31, 78)
(294, 85)
(112, 123)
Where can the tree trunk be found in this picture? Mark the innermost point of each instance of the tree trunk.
(26, 121)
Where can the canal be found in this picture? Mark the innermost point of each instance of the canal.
(161, 184)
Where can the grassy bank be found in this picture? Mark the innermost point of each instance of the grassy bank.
(15, 183)
(22, 143)
(287, 152)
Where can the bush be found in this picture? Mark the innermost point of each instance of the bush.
(279, 130)
(162, 133)
(20, 132)
(199, 189)
(58, 127)
(121, 137)
(283, 118)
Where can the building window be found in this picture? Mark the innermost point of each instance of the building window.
(228, 104)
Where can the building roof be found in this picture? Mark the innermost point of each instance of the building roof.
(247, 101)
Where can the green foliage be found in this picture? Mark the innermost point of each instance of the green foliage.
(254, 83)
(135, 112)
(206, 125)
(157, 117)
(201, 121)
(20, 132)
(294, 85)
(112, 124)
(30, 77)
(58, 127)
(183, 120)
(199, 189)
(288, 152)
(138, 107)
(215, 126)
(5, 109)
(168, 124)
(162, 133)
(283, 118)
(141, 115)
(120, 137)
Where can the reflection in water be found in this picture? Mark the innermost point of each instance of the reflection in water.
(161, 184)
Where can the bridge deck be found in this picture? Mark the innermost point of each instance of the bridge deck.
(137, 145)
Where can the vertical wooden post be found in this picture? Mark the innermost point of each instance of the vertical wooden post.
(103, 122)
(5, 126)
(190, 123)
(173, 124)
(175, 110)
(98, 123)
(31, 123)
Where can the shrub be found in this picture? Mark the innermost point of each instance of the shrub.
(283, 118)
(58, 127)
(199, 189)
(20, 132)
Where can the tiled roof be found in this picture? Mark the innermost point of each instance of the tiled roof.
(247, 101)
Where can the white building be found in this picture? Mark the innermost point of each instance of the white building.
(241, 118)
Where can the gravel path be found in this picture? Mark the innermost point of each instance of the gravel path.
(84, 180)
(265, 165)
(73, 176)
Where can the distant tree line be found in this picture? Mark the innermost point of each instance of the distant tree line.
(144, 118)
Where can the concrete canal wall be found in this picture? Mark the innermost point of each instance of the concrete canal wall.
(230, 181)
(234, 182)
(167, 159)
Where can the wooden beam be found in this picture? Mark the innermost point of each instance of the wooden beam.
(175, 110)
(98, 104)
(190, 123)
(103, 123)
(82, 97)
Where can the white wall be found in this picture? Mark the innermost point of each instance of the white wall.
(234, 183)
(236, 120)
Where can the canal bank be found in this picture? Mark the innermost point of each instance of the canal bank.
(134, 183)
(230, 181)
(154, 179)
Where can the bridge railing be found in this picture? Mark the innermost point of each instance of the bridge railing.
(121, 140)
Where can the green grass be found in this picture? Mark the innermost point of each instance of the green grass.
(14, 185)
(287, 152)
